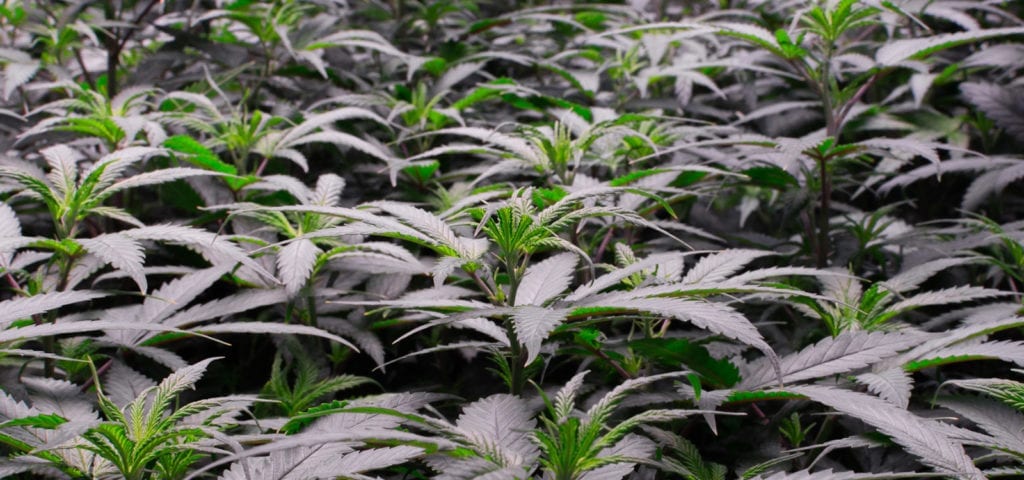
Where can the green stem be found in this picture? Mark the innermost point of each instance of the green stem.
(253, 99)
(516, 358)
(511, 267)
(50, 343)
(310, 306)
(809, 225)
(824, 242)
(289, 312)
(113, 46)
(824, 176)
(515, 364)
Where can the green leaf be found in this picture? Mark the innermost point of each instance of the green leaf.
(899, 51)
(751, 33)
(687, 178)
(487, 24)
(300, 421)
(593, 20)
(694, 380)
(48, 421)
(544, 197)
(634, 176)
(671, 352)
(197, 154)
(773, 177)
(745, 396)
(182, 196)
(590, 337)
(924, 363)
(589, 311)
(422, 171)
(790, 50)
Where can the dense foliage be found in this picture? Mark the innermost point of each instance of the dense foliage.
(456, 239)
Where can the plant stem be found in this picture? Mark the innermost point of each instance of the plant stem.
(760, 414)
(604, 244)
(113, 47)
(311, 315)
(515, 364)
(824, 243)
(114, 44)
(809, 225)
(14, 284)
(515, 361)
(145, 11)
(483, 286)
(845, 109)
(262, 166)
(100, 371)
(618, 368)
(85, 72)
(49, 343)
(511, 267)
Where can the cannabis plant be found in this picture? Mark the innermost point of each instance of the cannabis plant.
(460, 239)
